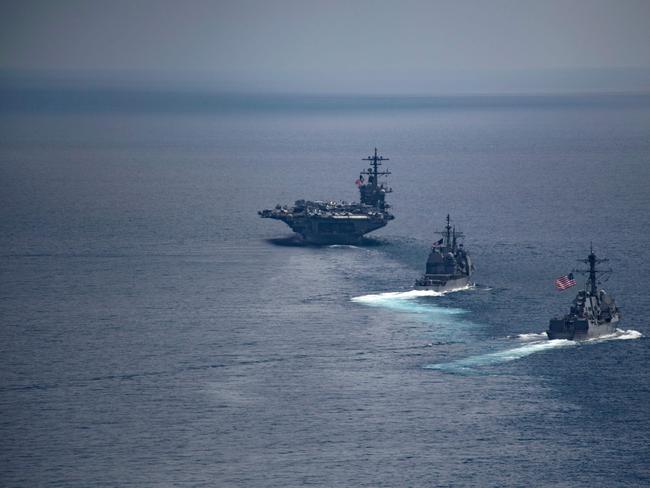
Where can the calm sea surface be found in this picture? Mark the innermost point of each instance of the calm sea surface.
(155, 332)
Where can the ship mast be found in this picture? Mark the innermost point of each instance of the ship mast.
(592, 260)
(450, 235)
(448, 229)
(372, 193)
(373, 172)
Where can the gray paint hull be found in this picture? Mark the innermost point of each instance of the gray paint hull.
(557, 330)
(443, 284)
(334, 230)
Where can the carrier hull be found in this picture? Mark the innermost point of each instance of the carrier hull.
(334, 230)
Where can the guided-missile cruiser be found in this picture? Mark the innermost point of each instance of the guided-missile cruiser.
(320, 222)
(449, 266)
(593, 312)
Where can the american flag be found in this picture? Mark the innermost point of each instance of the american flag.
(564, 282)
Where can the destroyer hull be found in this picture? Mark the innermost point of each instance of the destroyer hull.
(339, 230)
(442, 284)
(560, 329)
(593, 312)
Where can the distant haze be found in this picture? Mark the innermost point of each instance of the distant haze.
(334, 46)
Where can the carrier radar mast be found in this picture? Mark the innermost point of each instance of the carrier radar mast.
(372, 193)
(373, 172)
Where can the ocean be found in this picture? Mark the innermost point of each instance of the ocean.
(157, 332)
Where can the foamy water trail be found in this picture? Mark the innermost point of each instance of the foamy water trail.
(619, 335)
(346, 246)
(530, 337)
(405, 301)
(401, 295)
(407, 295)
(446, 323)
(471, 365)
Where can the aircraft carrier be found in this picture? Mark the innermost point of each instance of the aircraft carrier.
(319, 222)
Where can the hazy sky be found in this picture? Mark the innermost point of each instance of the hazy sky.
(340, 46)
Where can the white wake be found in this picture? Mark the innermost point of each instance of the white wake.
(408, 295)
(404, 301)
(472, 363)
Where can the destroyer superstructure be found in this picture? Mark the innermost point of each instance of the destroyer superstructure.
(321, 222)
(593, 312)
(449, 266)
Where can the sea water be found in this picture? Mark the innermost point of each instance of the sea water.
(156, 332)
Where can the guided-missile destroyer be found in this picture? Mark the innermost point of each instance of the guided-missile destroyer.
(340, 223)
(449, 266)
(593, 312)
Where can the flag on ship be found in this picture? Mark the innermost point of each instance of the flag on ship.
(564, 282)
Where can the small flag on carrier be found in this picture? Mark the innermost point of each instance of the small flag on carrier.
(564, 282)
(438, 243)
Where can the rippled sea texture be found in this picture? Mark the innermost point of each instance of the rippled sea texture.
(155, 332)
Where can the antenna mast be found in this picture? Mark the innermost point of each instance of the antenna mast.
(374, 172)
(450, 234)
(592, 261)
(372, 193)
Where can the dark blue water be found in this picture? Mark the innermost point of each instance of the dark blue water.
(154, 334)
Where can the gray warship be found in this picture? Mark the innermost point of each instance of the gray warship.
(340, 223)
(449, 266)
(593, 312)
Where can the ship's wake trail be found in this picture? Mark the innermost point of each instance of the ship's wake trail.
(443, 324)
(405, 301)
(534, 344)
(471, 364)
(406, 295)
